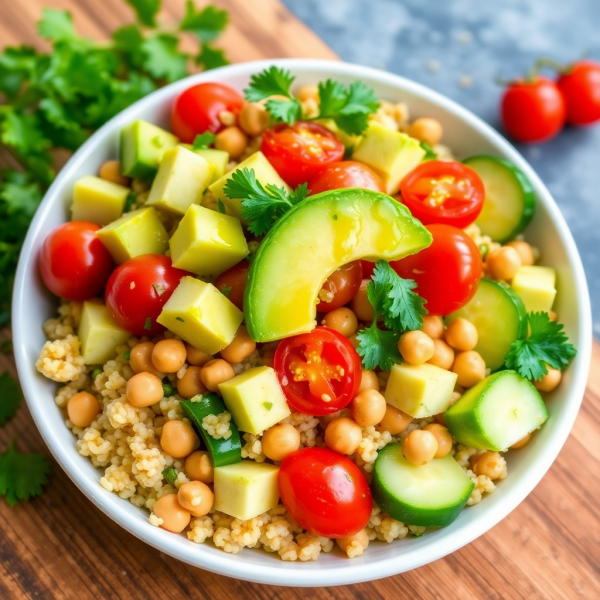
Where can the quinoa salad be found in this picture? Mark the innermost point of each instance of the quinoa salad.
(295, 321)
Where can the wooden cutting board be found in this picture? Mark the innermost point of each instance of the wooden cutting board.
(60, 546)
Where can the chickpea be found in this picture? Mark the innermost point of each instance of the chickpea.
(241, 347)
(368, 408)
(190, 384)
(196, 497)
(175, 517)
(144, 389)
(524, 250)
(461, 335)
(443, 438)
(470, 368)
(227, 118)
(111, 171)
(308, 92)
(549, 381)
(233, 140)
(140, 359)
(82, 409)
(343, 435)
(503, 263)
(416, 347)
(342, 320)
(199, 467)
(368, 381)
(395, 421)
(254, 118)
(426, 130)
(361, 538)
(178, 439)
(522, 442)
(280, 441)
(433, 326)
(360, 304)
(215, 372)
(168, 356)
(490, 464)
(196, 357)
(419, 447)
(443, 355)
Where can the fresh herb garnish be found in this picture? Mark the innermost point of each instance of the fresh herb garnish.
(180, 319)
(159, 289)
(378, 348)
(203, 140)
(170, 474)
(127, 355)
(131, 198)
(6, 346)
(148, 324)
(268, 405)
(430, 153)
(22, 475)
(97, 371)
(10, 398)
(221, 206)
(168, 389)
(226, 290)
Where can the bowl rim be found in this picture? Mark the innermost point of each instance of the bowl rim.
(277, 573)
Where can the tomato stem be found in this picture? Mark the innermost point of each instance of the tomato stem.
(542, 62)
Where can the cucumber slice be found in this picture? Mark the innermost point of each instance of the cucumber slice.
(509, 197)
(430, 495)
(500, 317)
(497, 412)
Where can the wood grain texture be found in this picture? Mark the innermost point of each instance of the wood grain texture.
(60, 546)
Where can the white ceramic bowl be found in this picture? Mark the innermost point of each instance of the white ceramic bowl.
(466, 135)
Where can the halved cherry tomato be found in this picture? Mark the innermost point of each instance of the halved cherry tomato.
(233, 283)
(138, 289)
(340, 287)
(345, 174)
(325, 492)
(73, 262)
(299, 151)
(197, 109)
(447, 272)
(319, 371)
(440, 191)
(580, 87)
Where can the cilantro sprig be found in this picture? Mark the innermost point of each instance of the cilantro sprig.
(10, 397)
(22, 475)
(203, 140)
(348, 106)
(547, 344)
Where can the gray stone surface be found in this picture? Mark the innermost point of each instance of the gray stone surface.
(472, 41)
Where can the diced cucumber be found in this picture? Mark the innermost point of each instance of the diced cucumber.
(222, 451)
(500, 317)
(430, 495)
(497, 412)
(509, 197)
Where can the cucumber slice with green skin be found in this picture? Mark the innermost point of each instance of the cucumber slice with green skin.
(430, 495)
(223, 451)
(497, 412)
(500, 317)
(509, 197)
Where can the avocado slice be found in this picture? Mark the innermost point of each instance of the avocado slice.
(537, 287)
(309, 243)
(97, 200)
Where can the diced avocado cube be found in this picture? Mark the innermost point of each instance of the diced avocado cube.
(207, 242)
(97, 200)
(199, 314)
(536, 286)
(217, 158)
(255, 399)
(182, 178)
(420, 390)
(246, 489)
(99, 334)
(142, 145)
(391, 153)
(350, 141)
(135, 233)
(264, 172)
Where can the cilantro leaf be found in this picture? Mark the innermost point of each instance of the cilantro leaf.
(430, 153)
(285, 111)
(129, 41)
(270, 82)
(10, 397)
(206, 24)
(145, 11)
(22, 476)
(378, 348)
(203, 140)
(56, 25)
(21, 131)
(226, 290)
(162, 57)
(211, 57)
(547, 344)
(221, 206)
(170, 474)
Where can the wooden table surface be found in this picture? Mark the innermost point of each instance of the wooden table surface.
(60, 546)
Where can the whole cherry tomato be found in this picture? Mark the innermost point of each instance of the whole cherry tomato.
(325, 492)
(447, 272)
(443, 192)
(73, 262)
(137, 291)
(197, 109)
(368, 268)
(533, 111)
(340, 287)
(319, 371)
(580, 87)
(299, 151)
(233, 283)
(345, 174)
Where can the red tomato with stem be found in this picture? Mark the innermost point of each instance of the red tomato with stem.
(443, 192)
(345, 174)
(340, 287)
(73, 262)
(197, 109)
(447, 272)
(325, 492)
(580, 87)
(533, 111)
(299, 151)
(319, 371)
(137, 291)
(233, 283)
